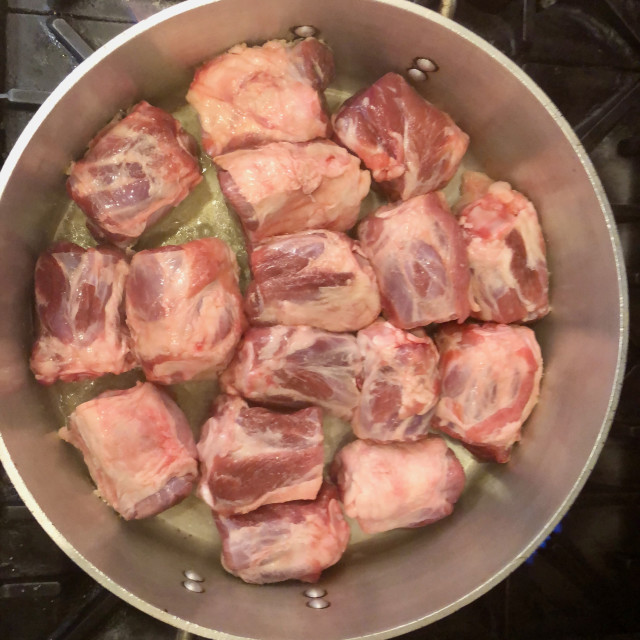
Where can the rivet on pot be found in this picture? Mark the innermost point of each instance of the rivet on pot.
(304, 31)
(193, 575)
(416, 75)
(425, 64)
(194, 586)
(315, 592)
(318, 603)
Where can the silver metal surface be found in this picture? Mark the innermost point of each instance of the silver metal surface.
(25, 96)
(193, 575)
(318, 603)
(192, 585)
(315, 592)
(448, 8)
(71, 39)
(413, 576)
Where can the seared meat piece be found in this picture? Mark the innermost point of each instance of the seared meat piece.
(295, 367)
(138, 447)
(251, 456)
(285, 187)
(490, 384)
(135, 171)
(184, 310)
(509, 278)
(289, 541)
(317, 278)
(420, 260)
(252, 95)
(410, 146)
(79, 302)
(401, 384)
(400, 484)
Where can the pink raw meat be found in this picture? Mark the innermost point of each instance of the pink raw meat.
(401, 384)
(285, 187)
(138, 447)
(290, 541)
(79, 301)
(410, 146)
(297, 366)
(184, 310)
(400, 484)
(490, 384)
(419, 257)
(317, 278)
(509, 278)
(135, 171)
(252, 95)
(251, 456)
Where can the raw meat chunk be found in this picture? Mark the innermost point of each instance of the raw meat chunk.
(317, 278)
(420, 260)
(290, 541)
(286, 187)
(139, 449)
(252, 95)
(400, 484)
(401, 384)
(509, 278)
(184, 310)
(135, 171)
(297, 366)
(410, 146)
(79, 301)
(251, 456)
(490, 383)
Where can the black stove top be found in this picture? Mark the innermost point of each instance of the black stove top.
(584, 581)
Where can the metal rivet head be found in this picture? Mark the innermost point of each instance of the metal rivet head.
(425, 64)
(191, 585)
(416, 75)
(318, 603)
(304, 31)
(193, 575)
(315, 592)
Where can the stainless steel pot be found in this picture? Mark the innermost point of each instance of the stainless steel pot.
(402, 580)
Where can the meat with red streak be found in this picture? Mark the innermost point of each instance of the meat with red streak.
(490, 384)
(286, 187)
(295, 367)
(401, 384)
(138, 447)
(79, 302)
(398, 485)
(317, 278)
(249, 96)
(290, 541)
(420, 260)
(509, 278)
(410, 146)
(135, 171)
(184, 310)
(251, 456)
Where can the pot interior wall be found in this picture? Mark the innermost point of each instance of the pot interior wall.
(397, 579)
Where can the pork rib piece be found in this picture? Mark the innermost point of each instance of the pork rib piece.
(397, 485)
(251, 456)
(139, 449)
(252, 95)
(289, 541)
(79, 302)
(135, 171)
(184, 310)
(419, 257)
(509, 278)
(410, 146)
(286, 187)
(297, 366)
(316, 278)
(490, 384)
(401, 384)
